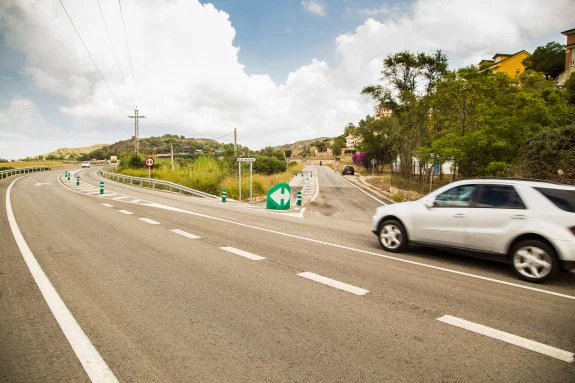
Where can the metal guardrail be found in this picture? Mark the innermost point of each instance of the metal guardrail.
(154, 184)
(11, 172)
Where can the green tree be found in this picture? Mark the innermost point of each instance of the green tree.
(570, 89)
(548, 59)
(546, 153)
(338, 144)
(378, 138)
(321, 146)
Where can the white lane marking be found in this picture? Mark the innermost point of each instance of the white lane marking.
(242, 253)
(150, 221)
(316, 187)
(107, 205)
(529, 344)
(363, 191)
(334, 283)
(125, 212)
(91, 360)
(185, 234)
(462, 273)
(93, 193)
(120, 198)
(135, 201)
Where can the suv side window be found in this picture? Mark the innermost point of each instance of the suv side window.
(499, 197)
(459, 196)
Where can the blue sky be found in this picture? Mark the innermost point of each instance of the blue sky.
(191, 80)
(278, 36)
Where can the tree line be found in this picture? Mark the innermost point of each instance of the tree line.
(483, 123)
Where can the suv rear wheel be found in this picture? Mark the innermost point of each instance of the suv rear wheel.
(534, 260)
(392, 236)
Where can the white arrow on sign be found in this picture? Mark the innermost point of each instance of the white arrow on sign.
(280, 197)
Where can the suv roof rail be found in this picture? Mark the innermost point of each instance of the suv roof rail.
(520, 179)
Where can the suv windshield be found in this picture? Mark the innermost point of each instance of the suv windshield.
(563, 199)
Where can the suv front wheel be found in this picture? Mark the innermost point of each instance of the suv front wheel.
(392, 236)
(534, 260)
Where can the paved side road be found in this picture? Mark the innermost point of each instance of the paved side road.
(175, 289)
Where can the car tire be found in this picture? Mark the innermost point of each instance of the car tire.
(534, 260)
(392, 236)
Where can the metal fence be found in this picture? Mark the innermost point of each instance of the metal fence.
(154, 184)
(12, 172)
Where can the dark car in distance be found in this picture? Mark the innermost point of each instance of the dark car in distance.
(348, 169)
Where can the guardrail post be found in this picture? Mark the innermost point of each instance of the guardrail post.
(101, 187)
(224, 194)
(77, 180)
(298, 199)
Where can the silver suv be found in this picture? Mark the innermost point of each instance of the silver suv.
(531, 224)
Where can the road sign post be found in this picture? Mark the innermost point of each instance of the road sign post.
(373, 166)
(240, 160)
(278, 197)
(149, 163)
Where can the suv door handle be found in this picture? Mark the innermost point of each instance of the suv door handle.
(459, 215)
(518, 216)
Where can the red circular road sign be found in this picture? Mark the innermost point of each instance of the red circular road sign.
(149, 162)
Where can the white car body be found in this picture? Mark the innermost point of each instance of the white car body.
(484, 228)
(85, 164)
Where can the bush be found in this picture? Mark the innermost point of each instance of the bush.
(546, 153)
(268, 165)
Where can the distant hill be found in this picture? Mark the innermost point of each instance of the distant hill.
(299, 148)
(70, 153)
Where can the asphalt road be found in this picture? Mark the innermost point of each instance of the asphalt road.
(160, 306)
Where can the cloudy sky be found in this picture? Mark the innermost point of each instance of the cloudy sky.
(278, 71)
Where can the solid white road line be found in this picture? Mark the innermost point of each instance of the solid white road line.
(135, 201)
(529, 344)
(185, 234)
(363, 191)
(316, 187)
(120, 198)
(107, 205)
(242, 253)
(125, 212)
(361, 251)
(150, 221)
(91, 360)
(334, 283)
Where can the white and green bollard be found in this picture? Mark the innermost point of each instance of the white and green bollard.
(298, 199)
(77, 180)
(101, 187)
(224, 194)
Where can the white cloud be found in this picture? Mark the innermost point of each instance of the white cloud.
(190, 81)
(314, 7)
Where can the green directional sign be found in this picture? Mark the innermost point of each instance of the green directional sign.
(279, 197)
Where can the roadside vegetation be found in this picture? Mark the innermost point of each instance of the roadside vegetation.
(211, 175)
(27, 164)
(478, 122)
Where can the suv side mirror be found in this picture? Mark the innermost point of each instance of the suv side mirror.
(429, 204)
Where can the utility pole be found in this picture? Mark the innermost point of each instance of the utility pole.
(136, 117)
(236, 142)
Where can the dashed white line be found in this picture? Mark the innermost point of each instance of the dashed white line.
(91, 360)
(185, 234)
(334, 283)
(242, 253)
(125, 212)
(528, 344)
(107, 205)
(119, 198)
(150, 221)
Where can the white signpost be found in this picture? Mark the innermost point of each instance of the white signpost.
(240, 160)
(149, 163)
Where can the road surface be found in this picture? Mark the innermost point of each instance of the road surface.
(178, 289)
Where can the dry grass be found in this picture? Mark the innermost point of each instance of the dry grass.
(207, 175)
(29, 164)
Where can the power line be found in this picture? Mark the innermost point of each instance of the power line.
(112, 45)
(89, 54)
(128, 48)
